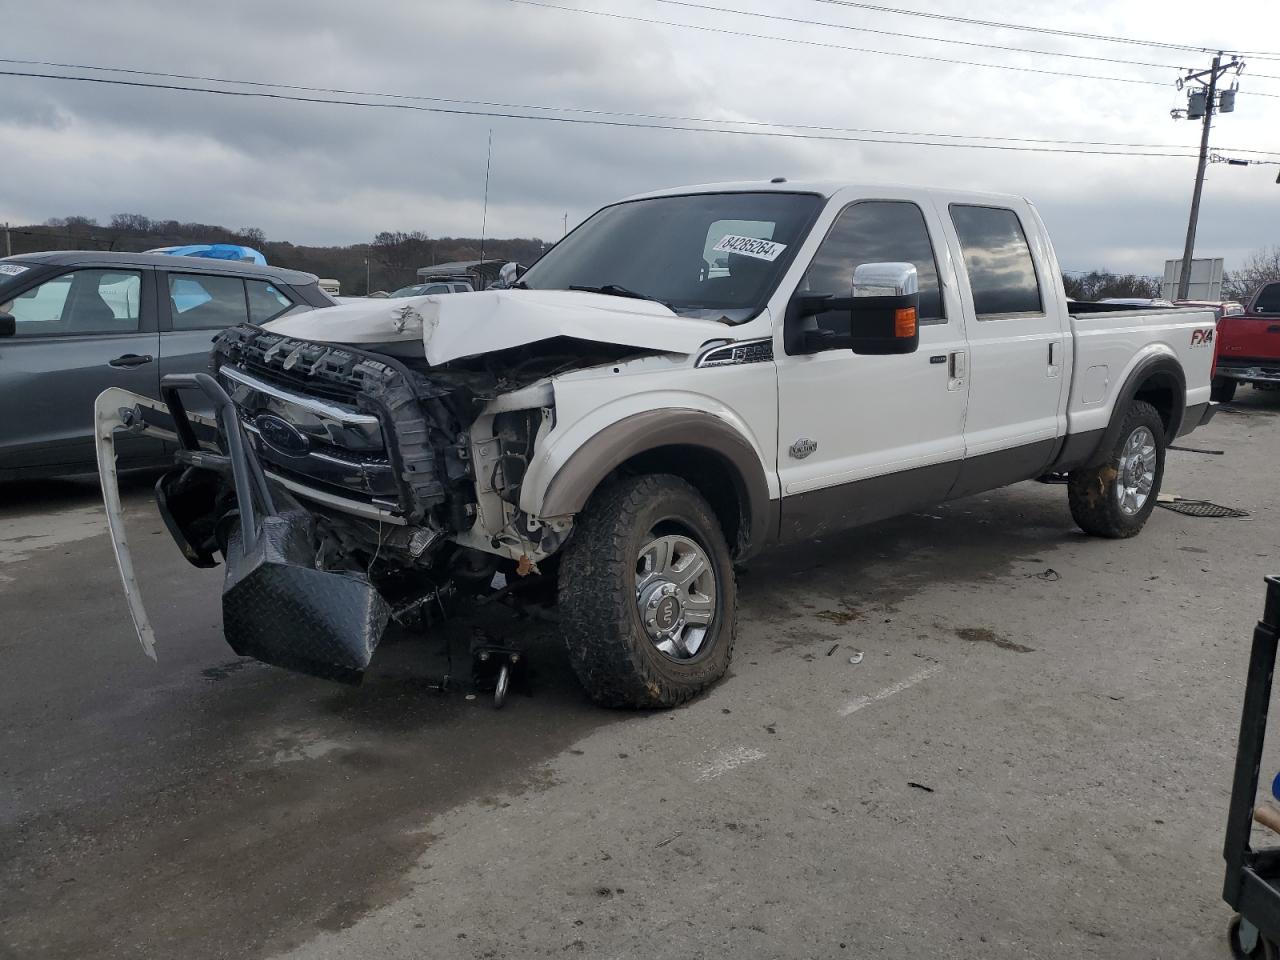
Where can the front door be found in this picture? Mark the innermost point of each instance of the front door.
(1017, 345)
(77, 334)
(865, 437)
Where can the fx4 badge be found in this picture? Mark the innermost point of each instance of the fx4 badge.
(1201, 338)
(803, 447)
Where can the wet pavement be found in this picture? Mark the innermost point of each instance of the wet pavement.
(1019, 765)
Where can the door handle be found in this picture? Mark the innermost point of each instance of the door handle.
(958, 368)
(1053, 354)
(131, 360)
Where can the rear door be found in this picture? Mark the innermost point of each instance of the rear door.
(78, 332)
(863, 437)
(1017, 344)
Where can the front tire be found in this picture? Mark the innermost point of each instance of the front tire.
(1222, 389)
(1114, 498)
(647, 594)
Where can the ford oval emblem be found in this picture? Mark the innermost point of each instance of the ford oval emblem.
(281, 435)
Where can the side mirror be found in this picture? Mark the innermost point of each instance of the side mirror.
(510, 273)
(881, 314)
(8, 325)
(886, 309)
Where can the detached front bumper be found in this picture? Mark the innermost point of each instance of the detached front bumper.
(278, 606)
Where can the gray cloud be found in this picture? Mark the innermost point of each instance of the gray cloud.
(323, 173)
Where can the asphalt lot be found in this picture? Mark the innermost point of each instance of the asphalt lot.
(1021, 765)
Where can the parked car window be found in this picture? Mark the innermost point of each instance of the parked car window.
(1002, 275)
(1268, 300)
(266, 302)
(461, 287)
(206, 303)
(877, 231)
(83, 302)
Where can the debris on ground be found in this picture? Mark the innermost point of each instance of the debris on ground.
(1048, 574)
(1209, 453)
(919, 786)
(856, 658)
(983, 635)
(1199, 508)
(834, 648)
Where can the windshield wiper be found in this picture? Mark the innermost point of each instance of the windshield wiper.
(615, 290)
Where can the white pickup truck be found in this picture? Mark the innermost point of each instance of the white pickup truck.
(687, 378)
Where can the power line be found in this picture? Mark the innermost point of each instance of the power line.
(914, 36)
(613, 113)
(592, 121)
(1050, 31)
(838, 46)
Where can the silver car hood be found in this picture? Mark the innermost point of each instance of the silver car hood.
(451, 326)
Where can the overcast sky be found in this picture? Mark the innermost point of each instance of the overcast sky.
(316, 173)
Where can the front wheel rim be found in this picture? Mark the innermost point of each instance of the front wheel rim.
(676, 595)
(1136, 472)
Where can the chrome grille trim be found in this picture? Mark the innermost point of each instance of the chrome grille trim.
(320, 407)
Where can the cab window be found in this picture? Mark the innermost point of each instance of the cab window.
(1002, 274)
(876, 231)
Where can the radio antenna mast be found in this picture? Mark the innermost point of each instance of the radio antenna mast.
(484, 219)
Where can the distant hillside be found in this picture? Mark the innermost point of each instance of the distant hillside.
(393, 256)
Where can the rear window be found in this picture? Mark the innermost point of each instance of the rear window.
(1268, 301)
(201, 302)
(1002, 274)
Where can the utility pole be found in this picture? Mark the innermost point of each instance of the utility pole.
(8, 245)
(1202, 105)
(368, 269)
(566, 226)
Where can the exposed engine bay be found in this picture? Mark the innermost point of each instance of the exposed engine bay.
(345, 488)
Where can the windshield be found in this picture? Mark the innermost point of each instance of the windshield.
(717, 256)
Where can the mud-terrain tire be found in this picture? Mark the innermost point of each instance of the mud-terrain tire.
(1222, 389)
(1115, 497)
(616, 598)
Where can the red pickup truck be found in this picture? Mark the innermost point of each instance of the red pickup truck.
(1248, 346)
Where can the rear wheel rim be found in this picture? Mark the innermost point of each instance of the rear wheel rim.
(676, 592)
(1136, 472)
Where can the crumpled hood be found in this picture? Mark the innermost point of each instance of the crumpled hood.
(457, 325)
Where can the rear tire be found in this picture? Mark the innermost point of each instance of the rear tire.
(1115, 497)
(647, 553)
(1222, 389)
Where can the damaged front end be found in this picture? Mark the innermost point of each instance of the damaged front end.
(337, 484)
(278, 606)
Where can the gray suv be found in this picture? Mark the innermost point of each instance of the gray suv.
(73, 323)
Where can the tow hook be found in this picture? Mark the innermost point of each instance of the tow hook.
(497, 664)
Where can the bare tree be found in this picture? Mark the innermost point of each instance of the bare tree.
(1097, 284)
(130, 222)
(1263, 266)
(400, 254)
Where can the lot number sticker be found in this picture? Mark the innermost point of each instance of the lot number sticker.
(12, 269)
(749, 247)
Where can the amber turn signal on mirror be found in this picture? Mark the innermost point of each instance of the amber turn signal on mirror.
(904, 322)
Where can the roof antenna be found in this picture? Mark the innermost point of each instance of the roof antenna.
(484, 219)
